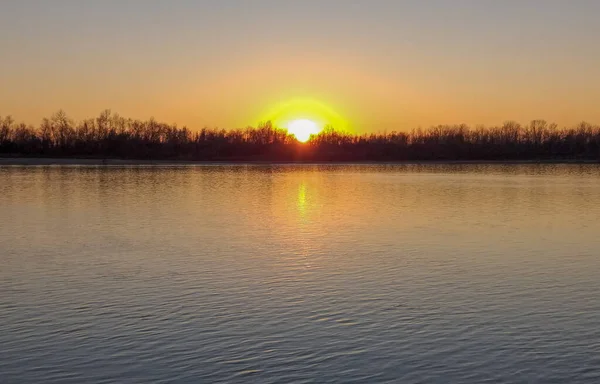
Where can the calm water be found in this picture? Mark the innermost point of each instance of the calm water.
(267, 274)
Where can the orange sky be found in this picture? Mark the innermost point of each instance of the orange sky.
(380, 64)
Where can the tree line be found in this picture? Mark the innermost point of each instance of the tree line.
(112, 136)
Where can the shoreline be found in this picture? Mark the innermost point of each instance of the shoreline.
(43, 161)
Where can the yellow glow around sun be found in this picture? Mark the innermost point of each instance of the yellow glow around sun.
(302, 129)
(303, 117)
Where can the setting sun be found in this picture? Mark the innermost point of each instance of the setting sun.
(302, 129)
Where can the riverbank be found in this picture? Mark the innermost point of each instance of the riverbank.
(32, 161)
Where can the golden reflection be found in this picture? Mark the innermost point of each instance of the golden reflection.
(303, 232)
(302, 199)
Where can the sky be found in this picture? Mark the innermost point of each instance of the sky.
(379, 64)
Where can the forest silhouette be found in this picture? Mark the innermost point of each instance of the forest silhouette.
(112, 136)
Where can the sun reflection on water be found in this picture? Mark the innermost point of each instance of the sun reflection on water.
(302, 200)
(304, 229)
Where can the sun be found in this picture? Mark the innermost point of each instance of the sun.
(303, 117)
(302, 129)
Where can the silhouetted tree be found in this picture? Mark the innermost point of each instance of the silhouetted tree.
(110, 135)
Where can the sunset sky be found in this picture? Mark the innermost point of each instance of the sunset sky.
(379, 64)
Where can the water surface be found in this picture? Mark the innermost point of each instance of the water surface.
(341, 273)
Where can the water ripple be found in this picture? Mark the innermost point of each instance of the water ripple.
(354, 274)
